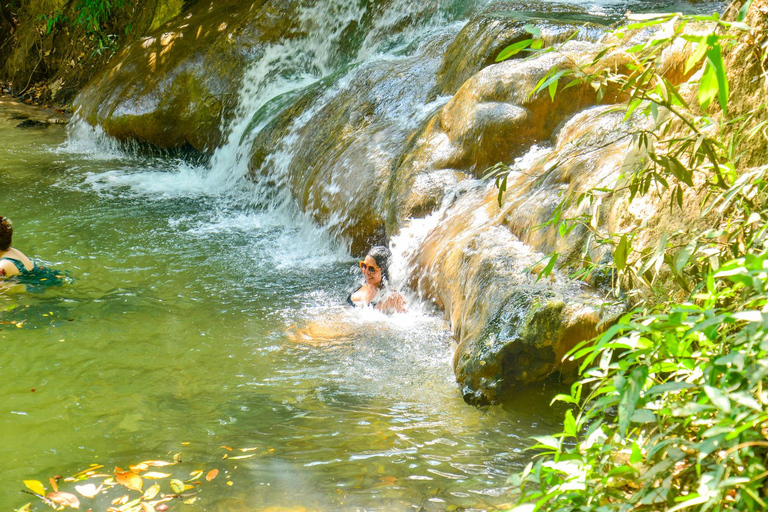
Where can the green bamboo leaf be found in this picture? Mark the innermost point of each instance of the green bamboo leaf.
(696, 56)
(513, 49)
(620, 253)
(718, 399)
(715, 59)
(707, 86)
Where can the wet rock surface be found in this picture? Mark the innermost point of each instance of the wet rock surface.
(179, 85)
(30, 116)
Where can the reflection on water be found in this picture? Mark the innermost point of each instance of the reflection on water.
(188, 322)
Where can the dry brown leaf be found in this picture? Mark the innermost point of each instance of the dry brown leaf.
(54, 485)
(211, 474)
(64, 498)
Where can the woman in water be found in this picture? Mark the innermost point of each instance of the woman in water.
(12, 261)
(15, 267)
(376, 290)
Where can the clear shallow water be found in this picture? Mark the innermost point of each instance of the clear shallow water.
(204, 319)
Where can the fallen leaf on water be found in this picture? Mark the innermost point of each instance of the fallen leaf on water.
(88, 490)
(185, 443)
(229, 482)
(243, 456)
(211, 474)
(93, 467)
(177, 458)
(162, 507)
(157, 463)
(388, 480)
(151, 492)
(226, 448)
(25, 508)
(190, 501)
(225, 456)
(246, 450)
(195, 474)
(147, 507)
(64, 498)
(54, 485)
(156, 475)
(177, 486)
(122, 500)
(139, 467)
(35, 486)
(129, 479)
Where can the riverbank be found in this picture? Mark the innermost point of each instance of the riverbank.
(30, 115)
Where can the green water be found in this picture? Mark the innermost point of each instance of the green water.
(172, 339)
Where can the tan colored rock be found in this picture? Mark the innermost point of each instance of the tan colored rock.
(500, 25)
(492, 118)
(179, 85)
(511, 330)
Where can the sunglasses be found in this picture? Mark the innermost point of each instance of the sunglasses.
(370, 268)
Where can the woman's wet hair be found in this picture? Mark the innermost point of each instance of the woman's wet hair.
(382, 256)
(6, 233)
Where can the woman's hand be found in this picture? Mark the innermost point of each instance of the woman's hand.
(394, 303)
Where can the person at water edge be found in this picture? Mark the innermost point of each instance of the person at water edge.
(12, 261)
(376, 290)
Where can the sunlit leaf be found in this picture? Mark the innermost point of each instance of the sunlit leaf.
(122, 500)
(157, 463)
(177, 458)
(64, 498)
(35, 486)
(25, 508)
(243, 456)
(148, 507)
(718, 398)
(226, 448)
(196, 474)
(513, 49)
(88, 490)
(151, 492)
(177, 486)
(155, 475)
(93, 467)
(190, 500)
(620, 253)
(130, 480)
(54, 485)
(246, 450)
(211, 474)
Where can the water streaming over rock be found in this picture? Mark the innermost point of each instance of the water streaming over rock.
(362, 123)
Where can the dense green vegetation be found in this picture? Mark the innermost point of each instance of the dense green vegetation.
(669, 412)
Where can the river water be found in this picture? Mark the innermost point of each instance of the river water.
(205, 323)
